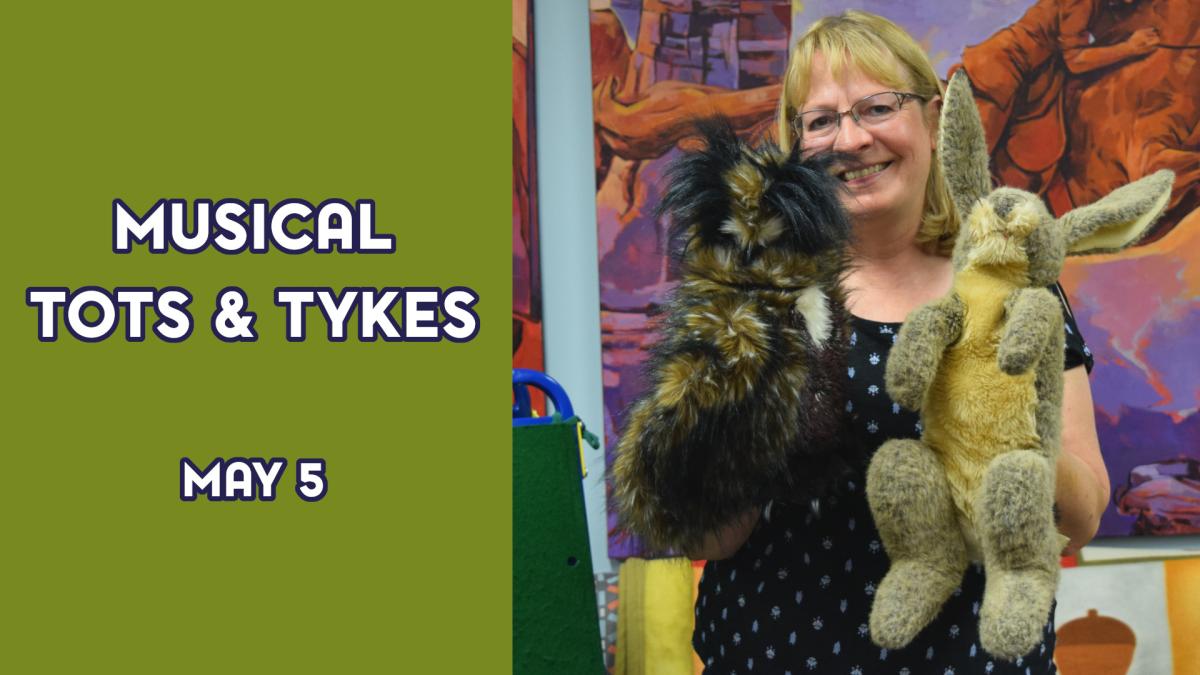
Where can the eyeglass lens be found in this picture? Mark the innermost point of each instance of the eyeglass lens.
(871, 110)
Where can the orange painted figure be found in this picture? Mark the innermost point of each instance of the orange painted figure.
(1078, 97)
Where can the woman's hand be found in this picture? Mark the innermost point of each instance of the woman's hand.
(726, 541)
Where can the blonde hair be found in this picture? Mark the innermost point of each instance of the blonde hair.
(883, 51)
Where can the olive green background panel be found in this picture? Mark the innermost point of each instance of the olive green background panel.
(556, 627)
(405, 565)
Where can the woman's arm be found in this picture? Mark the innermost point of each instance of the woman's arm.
(726, 541)
(1082, 488)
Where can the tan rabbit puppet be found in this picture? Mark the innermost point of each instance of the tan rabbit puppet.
(983, 365)
(745, 385)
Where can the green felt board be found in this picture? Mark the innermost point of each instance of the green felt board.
(555, 624)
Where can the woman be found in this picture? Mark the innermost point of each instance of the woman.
(787, 589)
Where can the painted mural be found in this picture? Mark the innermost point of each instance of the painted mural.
(1079, 96)
(527, 283)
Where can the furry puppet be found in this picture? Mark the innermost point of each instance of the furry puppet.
(745, 399)
(984, 367)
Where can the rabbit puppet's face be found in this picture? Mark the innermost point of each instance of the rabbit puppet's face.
(1009, 232)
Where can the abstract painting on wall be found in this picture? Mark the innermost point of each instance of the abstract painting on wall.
(1078, 96)
(527, 283)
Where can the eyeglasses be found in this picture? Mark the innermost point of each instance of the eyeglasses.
(868, 112)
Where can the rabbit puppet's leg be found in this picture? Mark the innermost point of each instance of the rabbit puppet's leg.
(911, 503)
(1016, 528)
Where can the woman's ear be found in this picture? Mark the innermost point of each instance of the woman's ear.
(934, 115)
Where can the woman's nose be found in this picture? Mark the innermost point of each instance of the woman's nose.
(851, 137)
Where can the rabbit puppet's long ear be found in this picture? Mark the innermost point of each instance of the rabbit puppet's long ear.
(1120, 218)
(962, 147)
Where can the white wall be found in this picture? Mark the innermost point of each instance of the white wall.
(567, 220)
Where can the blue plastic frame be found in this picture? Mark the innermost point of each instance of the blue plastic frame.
(523, 378)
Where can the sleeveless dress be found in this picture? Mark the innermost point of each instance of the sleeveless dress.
(796, 597)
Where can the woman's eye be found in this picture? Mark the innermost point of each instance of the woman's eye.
(816, 123)
(878, 110)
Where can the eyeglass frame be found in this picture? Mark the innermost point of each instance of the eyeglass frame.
(904, 96)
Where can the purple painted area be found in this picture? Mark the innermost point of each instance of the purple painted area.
(943, 28)
(1115, 383)
(1164, 497)
(630, 14)
(632, 271)
(625, 336)
(1172, 355)
(1138, 438)
(1140, 322)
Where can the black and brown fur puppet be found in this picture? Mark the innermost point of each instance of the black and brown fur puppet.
(745, 399)
(984, 366)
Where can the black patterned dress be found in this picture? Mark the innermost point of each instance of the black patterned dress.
(796, 597)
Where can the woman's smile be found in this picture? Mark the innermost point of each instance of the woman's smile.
(863, 175)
